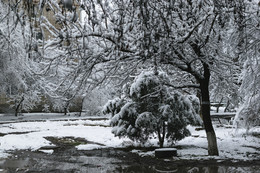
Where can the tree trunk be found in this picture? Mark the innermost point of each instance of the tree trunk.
(163, 135)
(81, 106)
(18, 107)
(66, 108)
(161, 138)
(65, 111)
(219, 103)
(205, 110)
(226, 108)
(161, 141)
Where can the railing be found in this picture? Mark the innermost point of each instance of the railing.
(224, 115)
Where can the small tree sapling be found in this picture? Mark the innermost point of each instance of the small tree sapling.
(153, 110)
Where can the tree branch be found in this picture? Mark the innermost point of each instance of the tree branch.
(109, 38)
(188, 35)
(183, 86)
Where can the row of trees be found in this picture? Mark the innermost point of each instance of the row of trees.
(29, 77)
(193, 41)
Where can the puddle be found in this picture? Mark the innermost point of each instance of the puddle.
(63, 157)
(15, 163)
(67, 142)
(69, 159)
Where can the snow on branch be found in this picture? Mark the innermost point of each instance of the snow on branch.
(183, 86)
(191, 31)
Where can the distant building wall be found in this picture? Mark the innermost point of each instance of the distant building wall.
(3, 98)
(32, 11)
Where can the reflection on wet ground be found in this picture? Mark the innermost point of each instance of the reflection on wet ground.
(67, 159)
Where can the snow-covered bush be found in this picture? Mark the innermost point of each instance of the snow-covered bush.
(153, 110)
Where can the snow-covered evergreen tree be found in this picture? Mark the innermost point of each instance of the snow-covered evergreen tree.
(114, 106)
(152, 109)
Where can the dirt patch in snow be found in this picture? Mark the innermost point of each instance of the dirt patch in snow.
(16, 133)
(68, 142)
(66, 158)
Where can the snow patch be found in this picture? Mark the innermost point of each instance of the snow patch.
(89, 147)
(144, 153)
(47, 151)
(166, 149)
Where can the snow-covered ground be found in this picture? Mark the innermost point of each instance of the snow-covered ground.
(233, 143)
(30, 135)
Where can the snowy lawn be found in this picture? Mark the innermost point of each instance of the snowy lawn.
(232, 143)
(34, 133)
